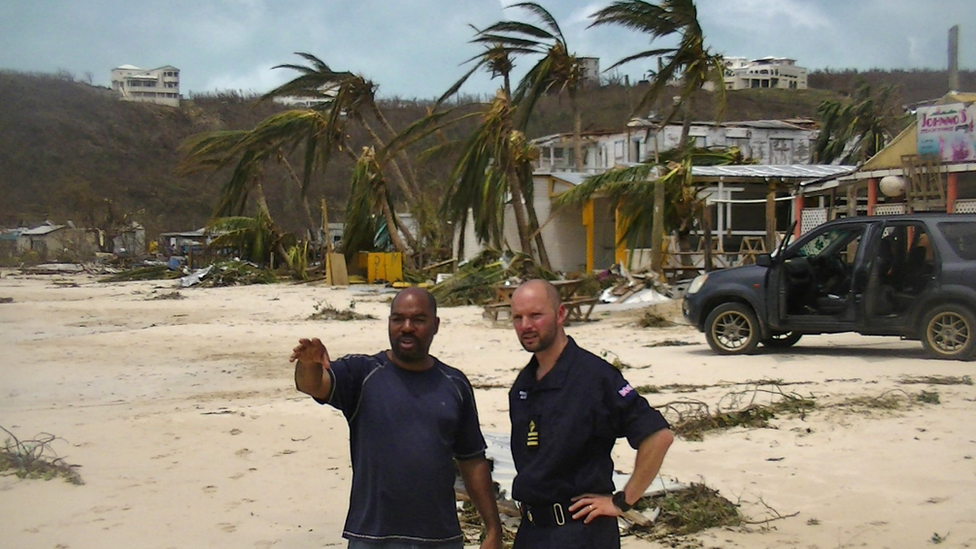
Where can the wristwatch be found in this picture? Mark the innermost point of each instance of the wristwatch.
(620, 500)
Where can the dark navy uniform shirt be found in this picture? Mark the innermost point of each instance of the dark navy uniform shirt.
(404, 428)
(565, 425)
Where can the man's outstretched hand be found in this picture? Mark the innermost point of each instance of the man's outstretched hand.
(310, 351)
(312, 360)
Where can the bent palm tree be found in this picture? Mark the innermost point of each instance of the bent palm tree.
(691, 60)
(352, 95)
(557, 69)
(856, 130)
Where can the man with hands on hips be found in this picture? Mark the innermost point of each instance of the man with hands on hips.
(410, 418)
(568, 407)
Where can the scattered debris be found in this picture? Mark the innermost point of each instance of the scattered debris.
(325, 311)
(151, 272)
(472, 283)
(229, 273)
(54, 268)
(691, 419)
(937, 380)
(30, 459)
(6, 300)
(165, 296)
(672, 343)
(653, 320)
(688, 511)
(893, 400)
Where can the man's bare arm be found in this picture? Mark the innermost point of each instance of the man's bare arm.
(311, 361)
(476, 474)
(650, 456)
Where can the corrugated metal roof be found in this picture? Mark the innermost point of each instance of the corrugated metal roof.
(802, 172)
(790, 171)
(42, 230)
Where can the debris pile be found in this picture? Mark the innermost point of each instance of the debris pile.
(473, 282)
(325, 311)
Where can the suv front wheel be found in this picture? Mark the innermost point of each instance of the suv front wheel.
(732, 329)
(948, 332)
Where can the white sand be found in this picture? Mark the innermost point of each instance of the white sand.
(184, 418)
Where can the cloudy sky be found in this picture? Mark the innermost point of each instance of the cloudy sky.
(414, 48)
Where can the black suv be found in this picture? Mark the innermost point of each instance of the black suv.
(912, 276)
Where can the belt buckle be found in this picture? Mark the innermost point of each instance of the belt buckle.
(558, 514)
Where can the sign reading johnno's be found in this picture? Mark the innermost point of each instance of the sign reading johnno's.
(946, 131)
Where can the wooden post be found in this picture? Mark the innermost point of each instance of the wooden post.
(852, 200)
(707, 226)
(588, 224)
(771, 216)
(952, 191)
(872, 195)
(619, 228)
(798, 213)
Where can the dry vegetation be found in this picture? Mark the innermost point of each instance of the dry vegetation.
(35, 459)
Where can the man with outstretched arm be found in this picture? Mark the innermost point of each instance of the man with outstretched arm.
(411, 417)
(568, 407)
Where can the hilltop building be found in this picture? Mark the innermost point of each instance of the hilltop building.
(591, 69)
(160, 85)
(771, 142)
(767, 72)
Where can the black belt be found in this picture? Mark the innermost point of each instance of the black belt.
(548, 514)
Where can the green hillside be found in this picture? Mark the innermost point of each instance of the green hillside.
(66, 147)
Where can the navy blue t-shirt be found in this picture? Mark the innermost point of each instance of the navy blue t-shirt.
(404, 428)
(564, 426)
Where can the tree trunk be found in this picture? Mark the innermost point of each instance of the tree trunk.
(263, 206)
(577, 132)
(400, 180)
(401, 154)
(305, 207)
(391, 228)
(518, 203)
(537, 232)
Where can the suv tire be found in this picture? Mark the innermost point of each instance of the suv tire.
(732, 329)
(782, 340)
(948, 332)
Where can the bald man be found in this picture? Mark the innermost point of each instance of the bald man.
(568, 407)
(411, 417)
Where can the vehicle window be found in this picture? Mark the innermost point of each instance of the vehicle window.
(961, 237)
(831, 241)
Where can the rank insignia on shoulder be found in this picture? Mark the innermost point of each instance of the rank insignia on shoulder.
(523, 395)
(625, 390)
(532, 438)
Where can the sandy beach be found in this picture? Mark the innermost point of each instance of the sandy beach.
(183, 417)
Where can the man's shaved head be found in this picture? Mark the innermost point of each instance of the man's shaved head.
(422, 292)
(540, 285)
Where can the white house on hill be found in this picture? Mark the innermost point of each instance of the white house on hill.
(160, 85)
(766, 72)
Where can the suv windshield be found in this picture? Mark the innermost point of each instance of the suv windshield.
(961, 238)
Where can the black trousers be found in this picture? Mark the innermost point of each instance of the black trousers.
(602, 533)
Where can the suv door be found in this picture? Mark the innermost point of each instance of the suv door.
(810, 287)
(903, 267)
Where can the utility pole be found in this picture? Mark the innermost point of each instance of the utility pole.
(954, 58)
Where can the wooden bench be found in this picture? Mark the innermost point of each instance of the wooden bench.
(574, 308)
(492, 310)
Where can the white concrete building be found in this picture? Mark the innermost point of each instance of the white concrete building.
(771, 142)
(160, 85)
(591, 69)
(767, 72)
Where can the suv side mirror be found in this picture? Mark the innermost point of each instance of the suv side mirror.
(764, 260)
